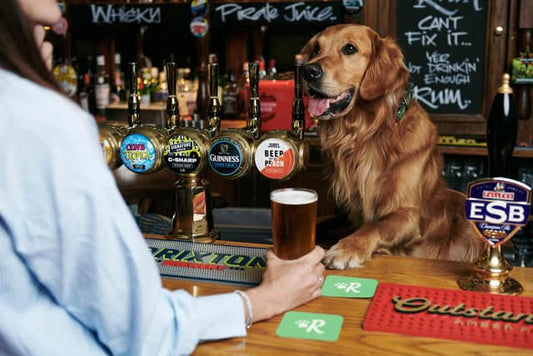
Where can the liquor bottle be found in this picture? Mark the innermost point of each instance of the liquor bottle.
(272, 71)
(154, 82)
(262, 70)
(118, 92)
(66, 77)
(161, 93)
(144, 86)
(230, 98)
(244, 82)
(501, 130)
(101, 86)
(86, 96)
(186, 93)
(298, 109)
(214, 111)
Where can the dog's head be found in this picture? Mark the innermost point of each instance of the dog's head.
(348, 62)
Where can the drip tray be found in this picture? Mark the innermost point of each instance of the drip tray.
(244, 224)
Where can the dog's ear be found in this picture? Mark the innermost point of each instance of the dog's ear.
(307, 50)
(386, 71)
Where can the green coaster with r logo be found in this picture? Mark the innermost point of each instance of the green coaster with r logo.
(313, 326)
(349, 287)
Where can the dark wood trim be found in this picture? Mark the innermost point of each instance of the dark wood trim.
(495, 50)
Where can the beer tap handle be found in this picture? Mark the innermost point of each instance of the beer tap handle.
(213, 79)
(298, 109)
(254, 111)
(173, 116)
(253, 69)
(134, 110)
(501, 130)
(214, 112)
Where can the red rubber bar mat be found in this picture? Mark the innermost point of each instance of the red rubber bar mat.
(452, 314)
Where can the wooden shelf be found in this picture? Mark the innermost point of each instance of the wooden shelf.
(155, 106)
(519, 152)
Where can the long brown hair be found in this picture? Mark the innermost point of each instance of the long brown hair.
(18, 49)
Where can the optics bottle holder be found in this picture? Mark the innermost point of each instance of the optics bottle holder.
(185, 155)
(141, 150)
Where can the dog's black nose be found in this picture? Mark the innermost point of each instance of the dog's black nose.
(312, 71)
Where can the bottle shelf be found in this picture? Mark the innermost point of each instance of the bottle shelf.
(157, 106)
(519, 152)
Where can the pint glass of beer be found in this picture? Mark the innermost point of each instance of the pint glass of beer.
(294, 213)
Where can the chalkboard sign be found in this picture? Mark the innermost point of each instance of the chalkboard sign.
(270, 13)
(443, 44)
(125, 14)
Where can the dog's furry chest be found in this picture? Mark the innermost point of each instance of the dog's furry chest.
(357, 176)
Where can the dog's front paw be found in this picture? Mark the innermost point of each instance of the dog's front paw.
(347, 253)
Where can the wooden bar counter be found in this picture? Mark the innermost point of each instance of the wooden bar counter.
(353, 340)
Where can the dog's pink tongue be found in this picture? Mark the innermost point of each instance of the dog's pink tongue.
(317, 107)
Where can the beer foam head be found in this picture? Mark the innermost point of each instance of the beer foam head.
(293, 196)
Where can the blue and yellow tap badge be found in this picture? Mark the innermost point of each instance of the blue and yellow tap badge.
(497, 208)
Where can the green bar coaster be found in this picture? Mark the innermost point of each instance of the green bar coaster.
(349, 287)
(312, 326)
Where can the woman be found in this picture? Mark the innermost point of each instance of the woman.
(76, 276)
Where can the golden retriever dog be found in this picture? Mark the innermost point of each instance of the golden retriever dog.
(387, 172)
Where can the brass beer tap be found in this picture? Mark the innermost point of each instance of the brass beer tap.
(141, 151)
(279, 154)
(231, 151)
(185, 154)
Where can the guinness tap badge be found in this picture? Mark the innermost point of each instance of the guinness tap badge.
(230, 154)
(497, 208)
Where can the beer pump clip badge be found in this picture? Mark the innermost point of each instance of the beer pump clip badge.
(497, 208)
(138, 153)
(183, 155)
(275, 158)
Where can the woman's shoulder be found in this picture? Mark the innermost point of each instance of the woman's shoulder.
(30, 104)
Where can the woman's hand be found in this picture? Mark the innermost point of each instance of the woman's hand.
(46, 48)
(287, 284)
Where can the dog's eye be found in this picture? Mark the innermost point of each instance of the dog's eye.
(349, 49)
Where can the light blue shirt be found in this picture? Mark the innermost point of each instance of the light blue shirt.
(76, 276)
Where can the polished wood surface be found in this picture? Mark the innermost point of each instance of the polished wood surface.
(353, 340)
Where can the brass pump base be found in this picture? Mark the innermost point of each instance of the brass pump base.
(491, 275)
(508, 286)
(193, 219)
(209, 237)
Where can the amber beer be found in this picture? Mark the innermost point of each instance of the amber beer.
(294, 212)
